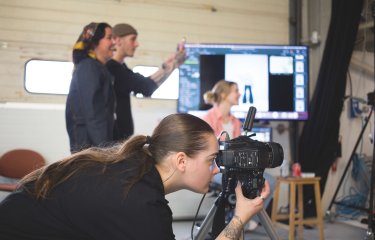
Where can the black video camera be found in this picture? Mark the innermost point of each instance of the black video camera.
(244, 159)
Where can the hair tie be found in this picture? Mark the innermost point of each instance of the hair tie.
(146, 146)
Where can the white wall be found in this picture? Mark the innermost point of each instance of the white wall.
(47, 29)
(42, 127)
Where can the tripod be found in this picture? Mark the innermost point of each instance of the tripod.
(232, 156)
(209, 219)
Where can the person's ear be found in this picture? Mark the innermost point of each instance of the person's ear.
(223, 96)
(181, 160)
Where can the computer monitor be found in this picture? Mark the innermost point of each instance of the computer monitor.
(272, 78)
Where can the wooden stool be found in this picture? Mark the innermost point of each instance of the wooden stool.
(297, 218)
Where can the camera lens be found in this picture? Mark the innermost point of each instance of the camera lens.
(278, 154)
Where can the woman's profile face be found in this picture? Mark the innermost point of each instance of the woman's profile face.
(104, 50)
(234, 95)
(201, 168)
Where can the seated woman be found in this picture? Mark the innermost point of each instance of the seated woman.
(222, 97)
(119, 192)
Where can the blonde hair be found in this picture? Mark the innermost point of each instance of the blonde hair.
(221, 89)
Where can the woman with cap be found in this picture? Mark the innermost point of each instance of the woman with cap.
(126, 81)
(90, 104)
(119, 192)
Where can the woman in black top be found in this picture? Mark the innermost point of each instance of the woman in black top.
(119, 192)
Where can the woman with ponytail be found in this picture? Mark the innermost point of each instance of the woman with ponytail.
(90, 103)
(119, 192)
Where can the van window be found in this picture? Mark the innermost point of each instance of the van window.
(169, 88)
(53, 77)
(46, 76)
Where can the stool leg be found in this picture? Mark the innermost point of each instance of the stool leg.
(318, 206)
(300, 211)
(292, 208)
(275, 202)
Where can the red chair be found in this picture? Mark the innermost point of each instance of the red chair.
(18, 163)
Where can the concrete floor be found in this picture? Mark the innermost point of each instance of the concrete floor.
(336, 230)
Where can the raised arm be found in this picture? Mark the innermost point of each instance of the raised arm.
(173, 62)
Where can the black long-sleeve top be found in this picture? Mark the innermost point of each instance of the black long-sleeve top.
(126, 82)
(91, 205)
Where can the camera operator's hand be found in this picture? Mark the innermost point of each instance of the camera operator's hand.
(246, 208)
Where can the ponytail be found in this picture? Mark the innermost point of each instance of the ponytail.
(134, 150)
(175, 133)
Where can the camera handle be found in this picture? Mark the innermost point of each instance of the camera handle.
(249, 121)
(209, 219)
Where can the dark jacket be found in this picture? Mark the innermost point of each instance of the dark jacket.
(89, 109)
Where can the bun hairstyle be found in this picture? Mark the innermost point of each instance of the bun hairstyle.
(88, 40)
(221, 89)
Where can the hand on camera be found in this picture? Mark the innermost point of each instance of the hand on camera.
(246, 208)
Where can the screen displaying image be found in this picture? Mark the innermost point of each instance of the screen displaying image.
(272, 78)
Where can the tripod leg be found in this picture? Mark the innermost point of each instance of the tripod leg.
(267, 224)
(206, 224)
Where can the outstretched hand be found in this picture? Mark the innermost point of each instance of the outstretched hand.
(246, 208)
(175, 60)
(180, 57)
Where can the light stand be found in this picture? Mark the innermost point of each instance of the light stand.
(371, 213)
(328, 212)
(371, 210)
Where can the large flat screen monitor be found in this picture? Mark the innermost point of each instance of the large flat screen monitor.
(272, 78)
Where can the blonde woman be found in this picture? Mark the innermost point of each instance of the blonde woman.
(222, 97)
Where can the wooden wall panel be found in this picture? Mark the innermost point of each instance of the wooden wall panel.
(47, 29)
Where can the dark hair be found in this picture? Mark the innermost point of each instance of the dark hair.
(178, 132)
(89, 40)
